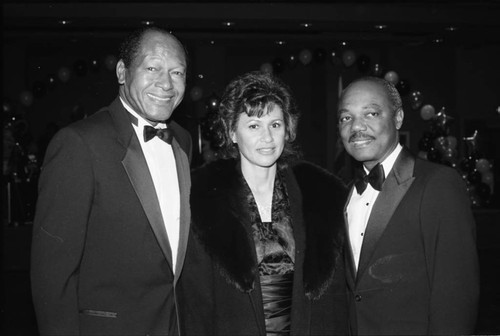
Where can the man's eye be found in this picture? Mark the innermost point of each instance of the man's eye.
(253, 126)
(276, 125)
(344, 119)
(151, 69)
(179, 73)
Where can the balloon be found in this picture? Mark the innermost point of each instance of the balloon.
(80, 68)
(305, 56)
(196, 93)
(348, 57)
(403, 87)
(267, 68)
(26, 98)
(110, 62)
(38, 89)
(363, 64)
(392, 76)
(452, 141)
(278, 65)
(334, 58)
(483, 165)
(64, 74)
(416, 100)
(292, 61)
(377, 70)
(319, 55)
(427, 112)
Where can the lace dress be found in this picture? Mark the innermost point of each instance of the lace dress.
(275, 247)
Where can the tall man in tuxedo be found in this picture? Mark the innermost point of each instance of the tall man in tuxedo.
(411, 235)
(113, 214)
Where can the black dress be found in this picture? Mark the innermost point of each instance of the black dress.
(275, 247)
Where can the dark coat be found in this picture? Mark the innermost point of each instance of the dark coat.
(101, 261)
(418, 270)
(220, 284)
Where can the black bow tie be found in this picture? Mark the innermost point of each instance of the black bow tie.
(163, 133)
(376, 178)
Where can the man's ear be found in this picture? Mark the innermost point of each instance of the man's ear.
(398, 118)
(233, 137)
(120, 72)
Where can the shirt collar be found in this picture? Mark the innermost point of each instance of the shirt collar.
(388, 163)
(141, 122)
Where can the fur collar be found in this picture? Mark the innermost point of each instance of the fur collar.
(221, 222)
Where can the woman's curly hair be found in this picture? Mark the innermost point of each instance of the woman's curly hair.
(255, 93)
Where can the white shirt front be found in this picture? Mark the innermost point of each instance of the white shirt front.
(360, 208)
(161, 163)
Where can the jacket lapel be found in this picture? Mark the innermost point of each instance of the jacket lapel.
(137, 170)
(184, 177)
(349, 258)
(395, 187)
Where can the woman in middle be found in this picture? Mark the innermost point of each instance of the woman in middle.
(265, 250)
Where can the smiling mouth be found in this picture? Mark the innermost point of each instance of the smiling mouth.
(160, 99)
(361, 142)
(266, 150)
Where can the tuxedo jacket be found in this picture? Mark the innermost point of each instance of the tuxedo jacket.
(101, 261)
(418, 269)
(220, 285)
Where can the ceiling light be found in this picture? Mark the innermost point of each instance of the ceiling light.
(381, 27)
(64, 22)
(451, 28)
(147, 22)
(306, 25)
(280, 42)
(228, 23)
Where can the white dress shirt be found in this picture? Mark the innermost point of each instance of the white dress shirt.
(360, 207)
(161, 163)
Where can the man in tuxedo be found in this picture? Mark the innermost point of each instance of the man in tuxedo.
(112, 218)
(411, 235)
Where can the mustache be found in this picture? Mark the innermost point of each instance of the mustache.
(360, 136)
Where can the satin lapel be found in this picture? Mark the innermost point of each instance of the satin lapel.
(349, 259)
(138, 173)
(395, 187)
(184, 177)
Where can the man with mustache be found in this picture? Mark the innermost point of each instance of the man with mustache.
(411, 254)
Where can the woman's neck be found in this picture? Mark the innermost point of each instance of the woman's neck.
(261, 183)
